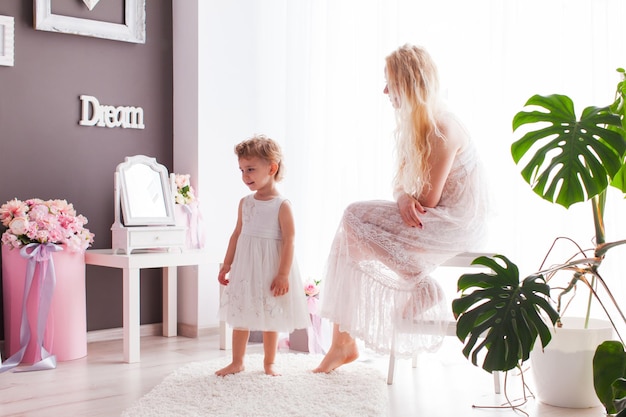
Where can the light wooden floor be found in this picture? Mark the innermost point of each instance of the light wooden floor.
(444, 384)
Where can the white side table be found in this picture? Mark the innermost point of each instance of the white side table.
(131, 265)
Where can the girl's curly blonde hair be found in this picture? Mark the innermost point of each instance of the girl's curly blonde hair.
(260, 146)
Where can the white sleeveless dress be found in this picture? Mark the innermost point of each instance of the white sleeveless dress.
(247, 301)
(377, 274)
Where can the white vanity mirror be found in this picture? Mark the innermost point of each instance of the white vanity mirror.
(144, 207)
(146, 194)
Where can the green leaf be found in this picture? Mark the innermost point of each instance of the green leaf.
(619, 180)
(609, 364)
(506, 313)
(619, 394)
(568, 160)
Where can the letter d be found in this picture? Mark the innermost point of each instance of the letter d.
(85, 120)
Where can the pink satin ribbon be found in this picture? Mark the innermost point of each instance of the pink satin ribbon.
(314, 332)
(195, 223)
(40, 255)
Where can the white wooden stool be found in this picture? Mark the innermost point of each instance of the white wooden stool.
(462, 260)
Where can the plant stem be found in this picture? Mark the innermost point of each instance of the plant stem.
(597, 204)
(589, 299)
(602, 249)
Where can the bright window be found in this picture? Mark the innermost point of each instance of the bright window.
(318, 79)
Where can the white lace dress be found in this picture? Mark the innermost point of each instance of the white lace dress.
(247, 302)
(378, 270)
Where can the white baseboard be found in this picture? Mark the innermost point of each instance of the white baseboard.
(193, 331)
(187, 330)
(116, 333)
(154, 329)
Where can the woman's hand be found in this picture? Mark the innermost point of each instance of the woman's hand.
(410, 210)
(280, 285)
(221, 276)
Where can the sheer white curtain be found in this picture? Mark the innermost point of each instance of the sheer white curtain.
(326, 62)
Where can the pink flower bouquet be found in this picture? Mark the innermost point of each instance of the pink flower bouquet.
(184, 190)
(311, 288)
(39, 221)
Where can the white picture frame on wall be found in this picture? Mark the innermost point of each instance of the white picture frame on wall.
(132, 30)
(7, 40)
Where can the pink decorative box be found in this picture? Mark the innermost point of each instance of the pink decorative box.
(66, 326)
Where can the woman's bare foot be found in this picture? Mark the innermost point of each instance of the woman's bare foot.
(233, 368)
(269, 370)
(338, 355)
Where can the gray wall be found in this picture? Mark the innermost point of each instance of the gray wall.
(44, 153)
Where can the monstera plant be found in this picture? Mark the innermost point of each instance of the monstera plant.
(566, 160)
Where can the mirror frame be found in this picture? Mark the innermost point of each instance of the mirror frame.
(125, 198)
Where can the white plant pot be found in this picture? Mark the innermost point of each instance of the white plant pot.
(563, 372)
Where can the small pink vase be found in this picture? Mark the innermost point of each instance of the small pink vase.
(66, 325)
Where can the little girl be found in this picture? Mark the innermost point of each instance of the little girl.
(260, 260)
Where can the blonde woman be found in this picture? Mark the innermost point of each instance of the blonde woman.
(377, 274)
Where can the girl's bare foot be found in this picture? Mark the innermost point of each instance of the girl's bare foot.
(233, 368)
(338, 355)
(269, 370)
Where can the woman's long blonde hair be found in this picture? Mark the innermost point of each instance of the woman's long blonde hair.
(413, 83)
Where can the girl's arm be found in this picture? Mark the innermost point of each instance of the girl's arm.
(230, 252)
(280, 284)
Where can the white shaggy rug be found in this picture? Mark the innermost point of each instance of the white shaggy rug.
(356, 389)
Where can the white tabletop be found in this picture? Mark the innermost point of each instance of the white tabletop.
(146, 258)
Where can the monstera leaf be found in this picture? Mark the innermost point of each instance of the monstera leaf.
(499, 313)
(569, 160)
(618, 107)
(619, 180)
(609, 372)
